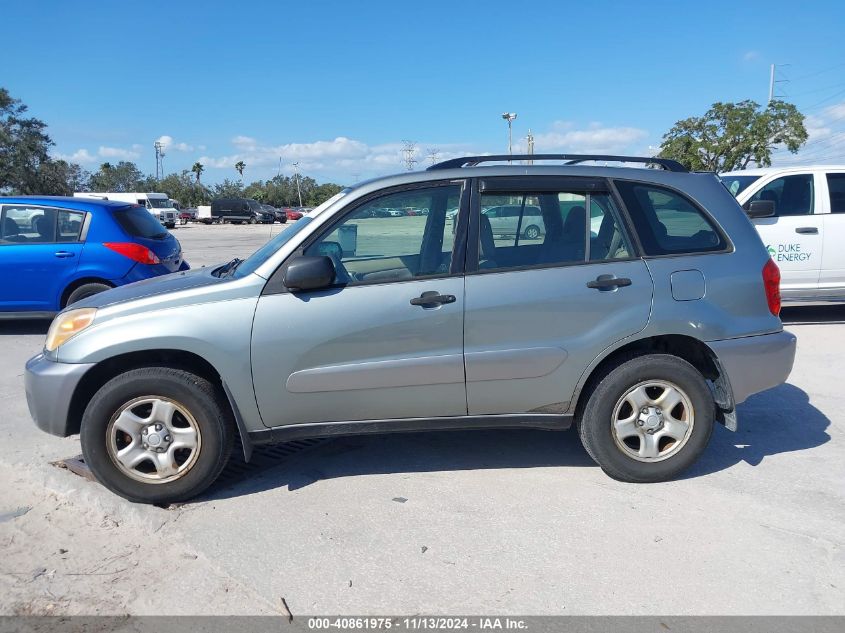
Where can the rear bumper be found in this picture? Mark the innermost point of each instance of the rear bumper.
(49, 389)
(755, 363)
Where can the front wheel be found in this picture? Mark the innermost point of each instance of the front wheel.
(157, 435)
(532, 232)
(648, 419)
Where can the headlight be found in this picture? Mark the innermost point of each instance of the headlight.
(68, 324)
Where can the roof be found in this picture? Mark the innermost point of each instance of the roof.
(68, 202)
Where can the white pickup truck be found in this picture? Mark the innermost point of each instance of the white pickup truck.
(799, 213)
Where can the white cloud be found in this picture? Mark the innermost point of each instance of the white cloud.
(118, 152)
(751, 56)
(171, 145)
(595, 138)
(81, 156)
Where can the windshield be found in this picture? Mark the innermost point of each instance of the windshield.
(158, 203)
(262, 254)
(738, 184)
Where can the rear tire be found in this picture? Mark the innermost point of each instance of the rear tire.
(532, 232)
(192, 425)
(648, 419)
(84, 291)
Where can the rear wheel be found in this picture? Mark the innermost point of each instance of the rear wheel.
(532, 232)
(157, 435)
(84, 291)
(648, 419)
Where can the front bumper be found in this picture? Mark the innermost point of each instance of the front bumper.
(49, 389)
(755, 363)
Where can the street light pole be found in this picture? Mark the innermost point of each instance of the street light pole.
(509, 117)
(296, 174)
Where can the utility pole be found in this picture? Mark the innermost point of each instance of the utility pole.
(530, 142)
(771, 84)
(296, 176)
(159, 147)
(409, 149)
(280, 167)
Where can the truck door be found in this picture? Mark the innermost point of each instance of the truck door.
(794, 235)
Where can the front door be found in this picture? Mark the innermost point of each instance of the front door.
(386, 340)
(538, 311)
(794, 235)
(39, 253)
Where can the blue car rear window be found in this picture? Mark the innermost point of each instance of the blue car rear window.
(138, 222)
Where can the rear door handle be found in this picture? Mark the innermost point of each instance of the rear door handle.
(608, 282)
(62, 254)
(432, 299)
(807, 230)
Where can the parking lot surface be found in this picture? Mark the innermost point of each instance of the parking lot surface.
(506, 522)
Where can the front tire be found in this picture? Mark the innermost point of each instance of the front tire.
(648, 419)
(532, 232)
(157, 435)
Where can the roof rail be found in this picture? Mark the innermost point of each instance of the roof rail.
(572, 159)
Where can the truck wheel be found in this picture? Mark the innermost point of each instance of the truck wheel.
(648, 419)
(84, 291)
(157, 435)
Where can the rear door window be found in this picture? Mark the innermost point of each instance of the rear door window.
(138, 222)
(27, 224)
(836, 186)
(667, 222)
(70, 225)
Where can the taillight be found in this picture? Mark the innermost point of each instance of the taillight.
(771, 281)
(135, 252)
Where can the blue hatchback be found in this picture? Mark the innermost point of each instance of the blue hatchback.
(57, 250)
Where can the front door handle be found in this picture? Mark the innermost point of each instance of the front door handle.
(608, 282)
(807, 230)
(63, 254)
(432, 299)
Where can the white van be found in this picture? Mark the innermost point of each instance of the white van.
(156, 203)
(799, 213)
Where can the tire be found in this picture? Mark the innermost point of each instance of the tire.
(84, 291)
(532, 232)
(206, 416)
(663, 446)
(252, 220)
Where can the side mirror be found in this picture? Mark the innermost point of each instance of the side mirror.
(760, 209)
(309, 273)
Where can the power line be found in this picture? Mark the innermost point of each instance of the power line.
(820, 72)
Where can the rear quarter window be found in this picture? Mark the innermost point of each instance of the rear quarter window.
(667, 222)
(136, 221)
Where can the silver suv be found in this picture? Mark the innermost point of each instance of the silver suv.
(644, 314)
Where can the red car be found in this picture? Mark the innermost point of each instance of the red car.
(293, 214)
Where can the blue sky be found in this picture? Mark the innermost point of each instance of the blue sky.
(337, 86)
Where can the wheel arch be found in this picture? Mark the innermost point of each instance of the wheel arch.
(107, 369)
(78, 283)
(694, 351)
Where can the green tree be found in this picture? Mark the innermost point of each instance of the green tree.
(228, 189)
(184, 188)
(125, 176)
(60, 178)
(198, 168)
(321, 193)
(24, 147)
(239, 167)
(732, 135)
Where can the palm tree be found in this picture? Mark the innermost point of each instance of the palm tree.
(240, 166)
(198, 169)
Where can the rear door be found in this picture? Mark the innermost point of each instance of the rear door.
(794, 236)
(539, 311)
(39, 254)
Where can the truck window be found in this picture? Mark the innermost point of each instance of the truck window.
(836, 186)
(792, 195)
